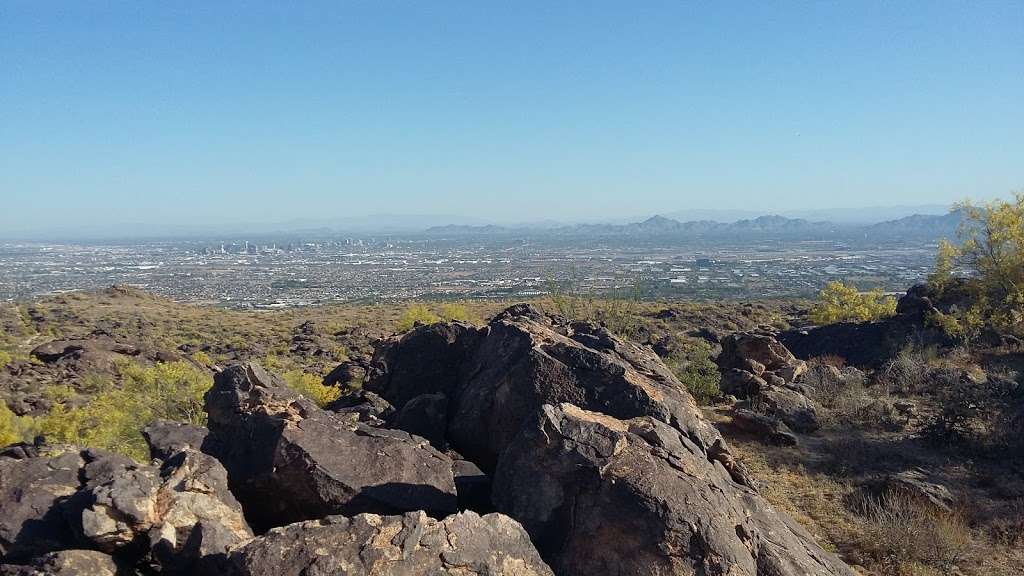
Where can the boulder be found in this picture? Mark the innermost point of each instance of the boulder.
(117, 511)
(166, 438)
(199, 519)
(497, 376)
(345, 374)
(426, 416)
(70, 563)
(289, 460)
(363, 405)
(791, 406)
(918, 484)
(740, 383)
(426, 360)
(32, 490)
(182, 512)
(766, 428)
(739, 350)
(600, 495)
(412, 544)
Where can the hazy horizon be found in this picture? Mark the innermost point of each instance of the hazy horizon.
(199, 115)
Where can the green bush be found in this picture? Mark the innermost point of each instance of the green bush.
(697, 371)
(991, 248)
(451, 312)
(838, 302)
(311, 387)
(5, 359)
(114, 418)
(11, 428)
(415, 313)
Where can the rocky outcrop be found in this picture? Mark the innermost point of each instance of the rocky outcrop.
(289, 460)
(181, 513)
(409, 545)
(871, 344)
(96, 346)
(760, 355)
(759, 369)
(600, 495)
(497, 376)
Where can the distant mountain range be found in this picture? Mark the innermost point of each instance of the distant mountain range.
(917, 225)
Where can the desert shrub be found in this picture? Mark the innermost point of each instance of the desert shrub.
(10, 426)
(114, 418)
(415, 314)
(5, 359)
(1008, 529)
(311, 386)
(696, 369)
(95, 383)
(838, 302)
(847, 401)
(985, 416)
(991, 249)
(202, 358)
(906, 536)
(909, 370)
(451, 312)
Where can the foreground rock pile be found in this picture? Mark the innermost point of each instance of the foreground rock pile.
(759, 370)
(525, 447)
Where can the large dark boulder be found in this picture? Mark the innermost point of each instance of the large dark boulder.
(426, 360)
(345, 374)
(96, 345)
(166, 438)
(863, 344)
(32, 491)
(425, 416)
(497, 376)
(289, 460)
(409, 545)
(600, 495)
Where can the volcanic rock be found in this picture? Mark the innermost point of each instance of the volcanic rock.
(497, 376)
(409, 545)
(289, 460)
(166, 438)
(600, 495)
(70, 563)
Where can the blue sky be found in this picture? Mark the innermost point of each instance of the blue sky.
(204, 112)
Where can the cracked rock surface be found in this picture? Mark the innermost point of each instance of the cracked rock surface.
(412, 544)
(289, 460)
(635, 497)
